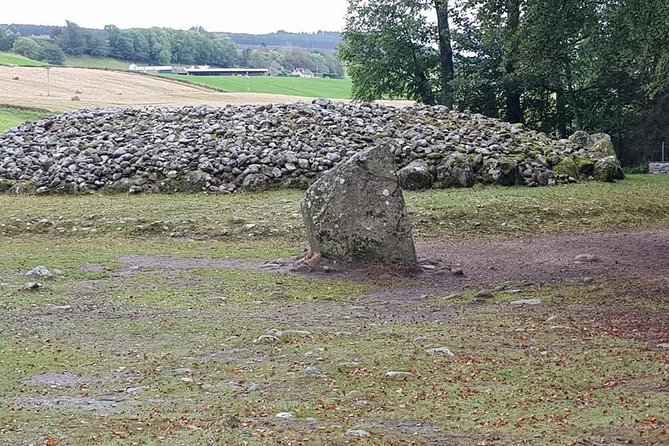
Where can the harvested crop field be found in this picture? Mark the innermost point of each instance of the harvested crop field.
(102, 88)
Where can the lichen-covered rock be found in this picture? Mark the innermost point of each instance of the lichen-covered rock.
(456, 171)
(415, 176)
(596, 146)
(608, 169)
(567, 167)
(256, 182)
(580, 139)
(504, 172)
(601, 147)
(585, 167)
(354, 213)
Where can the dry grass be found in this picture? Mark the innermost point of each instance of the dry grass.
(104, 87)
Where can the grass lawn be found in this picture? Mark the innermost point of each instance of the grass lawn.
(294, 86)
(161, 326)
(96, 62)
(639, 201)
(15, 59)
(13, 116)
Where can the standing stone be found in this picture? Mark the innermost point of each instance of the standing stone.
(355, 212)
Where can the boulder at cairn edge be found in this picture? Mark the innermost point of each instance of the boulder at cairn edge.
(354, 214)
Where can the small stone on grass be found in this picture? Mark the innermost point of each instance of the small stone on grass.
(441, 351)
(313, 372)
(586, 258)
(39, 272)
(526, 302)
(398, 374)
(357, 433)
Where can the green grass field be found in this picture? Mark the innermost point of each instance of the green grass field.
(13, 116)
(639, 201)
(293, 86)
(15, 59)
(106, 63)
(161, 327)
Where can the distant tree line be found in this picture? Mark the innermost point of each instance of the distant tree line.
(164, 46)
(596, 65)
(321, 40)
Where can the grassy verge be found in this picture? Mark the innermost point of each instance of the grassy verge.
(15, 59)
(293, 86)
(639, 201)
(13, 116)
(96, 62)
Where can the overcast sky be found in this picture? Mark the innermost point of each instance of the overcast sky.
(250, 16)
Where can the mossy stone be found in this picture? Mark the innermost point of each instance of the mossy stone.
(585, 166)
(566, 166)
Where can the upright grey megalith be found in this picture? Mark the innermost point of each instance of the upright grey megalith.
(354, 213)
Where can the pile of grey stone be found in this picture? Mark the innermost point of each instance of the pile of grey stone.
(258, 147)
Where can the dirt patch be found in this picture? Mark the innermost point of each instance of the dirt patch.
(167, 263)
(518, 262)
(552, 258)
(58, 380)
(535, 260)
(539, 259)
(102, 405)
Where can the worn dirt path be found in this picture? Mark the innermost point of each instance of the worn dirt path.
(535, 259)
(551, 258)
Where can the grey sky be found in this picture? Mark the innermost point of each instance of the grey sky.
(252, 16)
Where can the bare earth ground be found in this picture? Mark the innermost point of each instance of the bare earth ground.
(489, 263)
(103, 88)
(185, 362)
(529, 260)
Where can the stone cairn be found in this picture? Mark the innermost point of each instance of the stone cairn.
(249, 147)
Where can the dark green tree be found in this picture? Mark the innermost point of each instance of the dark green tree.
(26, 47)
(72, 39)
(96, 44)
(6, 40)
(389, 49)
(51, 53)
(120, 43)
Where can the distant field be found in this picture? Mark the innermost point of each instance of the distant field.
(15, 59)
(96, 62)
(294, 86)
(13, 116)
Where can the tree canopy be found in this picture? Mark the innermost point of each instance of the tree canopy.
(597, 65)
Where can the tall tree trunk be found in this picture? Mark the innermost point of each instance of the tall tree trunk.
(445, 52)
(572, 94)
(561, 113)
(424, 88)
(514, 112)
